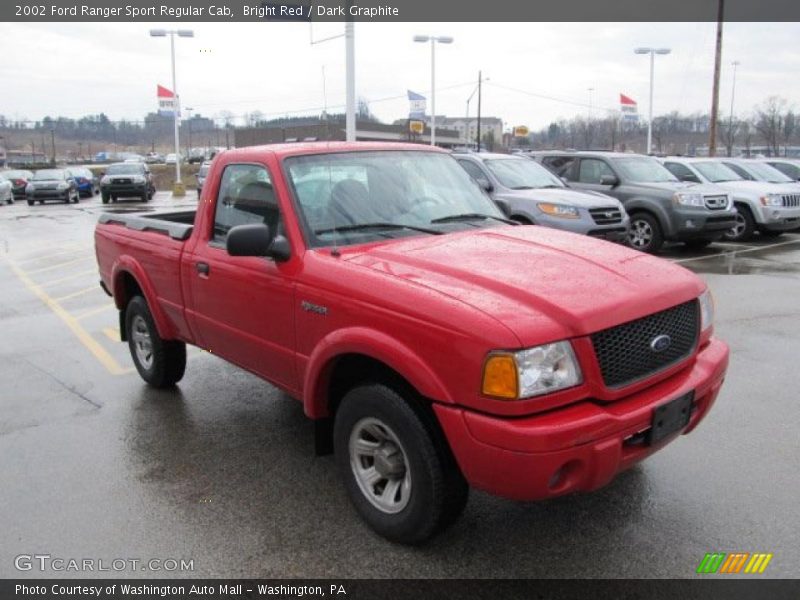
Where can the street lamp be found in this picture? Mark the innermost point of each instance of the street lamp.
(652, 52)
(442, 39)
(178, 189)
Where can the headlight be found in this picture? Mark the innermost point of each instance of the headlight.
(30, 188)
(105, 180)
(63, 185)
(558, 210)
(706, 310)
(137, 179)
(693, 199)
(532, 372)
(772, 200)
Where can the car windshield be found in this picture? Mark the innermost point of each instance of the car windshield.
(357, 197)
(765, 172)
(716, 172)
(125, 169)
(522, 174)
(643, 170)
(46, 174)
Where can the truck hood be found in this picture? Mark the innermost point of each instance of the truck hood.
(542, 284)
(680, 186)
(583, 199)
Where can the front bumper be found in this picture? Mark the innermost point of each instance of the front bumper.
(585, 225)
(125, 189)
(690, 224)
(48, 195)
(580, 447)
(778, 218)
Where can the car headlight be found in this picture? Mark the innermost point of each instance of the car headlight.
(30, 188)
(772, 200)
(137, 179)
(558, 210)
(706, 310)
(531, 372)
(63, 185)
(691, 199)
(105, 180)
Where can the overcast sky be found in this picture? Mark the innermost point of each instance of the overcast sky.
(77, 69)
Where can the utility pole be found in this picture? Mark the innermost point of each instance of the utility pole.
(480, 80)
(712, 134)
(53, 144)
(735, 64)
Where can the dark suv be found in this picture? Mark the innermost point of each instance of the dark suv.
(127, 179)
(661, 208)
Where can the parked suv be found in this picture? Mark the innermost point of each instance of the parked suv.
(661, 208)
(760, 206)
(788, 166)
(127, 179)
(530, 194)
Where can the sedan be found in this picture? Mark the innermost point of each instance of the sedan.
(19, 180)
(52, 184)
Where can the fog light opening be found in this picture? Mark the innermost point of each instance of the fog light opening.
(565, 477)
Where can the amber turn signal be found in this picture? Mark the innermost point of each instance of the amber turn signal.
(500, 377)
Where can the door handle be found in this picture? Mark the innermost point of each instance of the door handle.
(202, 268)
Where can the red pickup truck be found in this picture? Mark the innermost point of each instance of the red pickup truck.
(436, 345)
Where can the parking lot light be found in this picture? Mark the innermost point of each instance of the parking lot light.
(652, 52)
(442, 39)
(178, 189)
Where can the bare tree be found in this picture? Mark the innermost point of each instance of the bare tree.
(729, 128)
(769, 122)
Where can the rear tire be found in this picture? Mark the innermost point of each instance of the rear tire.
(30, 202)
(161, 363)
(745, 225)
(645, 233)
(383, 443)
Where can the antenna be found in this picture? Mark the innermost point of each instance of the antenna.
(335, 249)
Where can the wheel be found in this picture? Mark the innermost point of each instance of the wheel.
(151, 194)
(645, 233)
(145, 196)
(767, 233)
(67, 199)
(30, 202)
(745, 225)
(697, 244)
(396, 465)
(161, 363)
(76, 199)
(105, 197)
(113, 198)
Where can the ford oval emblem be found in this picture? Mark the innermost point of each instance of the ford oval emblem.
(660, 343)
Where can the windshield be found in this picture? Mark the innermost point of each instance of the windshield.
(125, 169)
(392, 192)
(18, 174)
(49, 174)
(643, 170)
(716, 172)
(522, 174)
(765, 172)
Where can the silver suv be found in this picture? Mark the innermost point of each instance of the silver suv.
(768, 207)
(530, 194)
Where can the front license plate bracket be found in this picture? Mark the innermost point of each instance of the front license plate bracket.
(670, 417)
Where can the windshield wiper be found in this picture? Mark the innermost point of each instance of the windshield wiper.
(364, 226)
(471, 217)
(522, 187)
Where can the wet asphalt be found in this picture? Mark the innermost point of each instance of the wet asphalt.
(221, 470)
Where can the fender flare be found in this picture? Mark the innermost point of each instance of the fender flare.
(127, 265)
(373, 344)
(644, 205)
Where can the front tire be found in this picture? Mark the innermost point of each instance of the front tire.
(396, 465)
(105, 197)
(161, 363)
(744, 228)
(645, 233)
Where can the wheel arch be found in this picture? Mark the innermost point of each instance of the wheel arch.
(130, 280)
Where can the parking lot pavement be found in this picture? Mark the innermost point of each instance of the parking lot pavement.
(222, 470)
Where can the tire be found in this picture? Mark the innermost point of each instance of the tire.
(30, 202)
(161, 363)
(113, 198)
(430, 492)
(144, 197)
(745, 225)
(105, 197)
(697, 244)
(645, 233)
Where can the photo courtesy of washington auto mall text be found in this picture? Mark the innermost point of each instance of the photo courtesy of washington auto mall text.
(399, 299)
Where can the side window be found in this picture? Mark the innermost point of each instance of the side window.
(474, 171)
(560, 165)
(592, 170)
(739, 171)
(245, 197)
(787, 169)
(682, 172)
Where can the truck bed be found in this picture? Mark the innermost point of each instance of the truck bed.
(176, 224)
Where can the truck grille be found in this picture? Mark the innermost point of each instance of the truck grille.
(121, 180)
(791, 200)
(606, 216)
(625, 355)
(716, 202)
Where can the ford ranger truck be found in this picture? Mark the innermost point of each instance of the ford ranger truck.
(436, 345)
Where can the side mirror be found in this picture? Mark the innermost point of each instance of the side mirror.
(486, 185)
(609, 180)
(257, 240)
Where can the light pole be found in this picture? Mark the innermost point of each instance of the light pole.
(433, 39)
(178, 189)
(735, 64)
(652, 52)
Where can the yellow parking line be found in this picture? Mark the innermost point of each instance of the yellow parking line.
(111, 333)
(94, 311)
(83, 336)
(68, 278)
(91, 288)
(59, 265)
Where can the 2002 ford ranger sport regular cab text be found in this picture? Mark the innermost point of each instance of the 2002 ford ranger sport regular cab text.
(436, 345)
